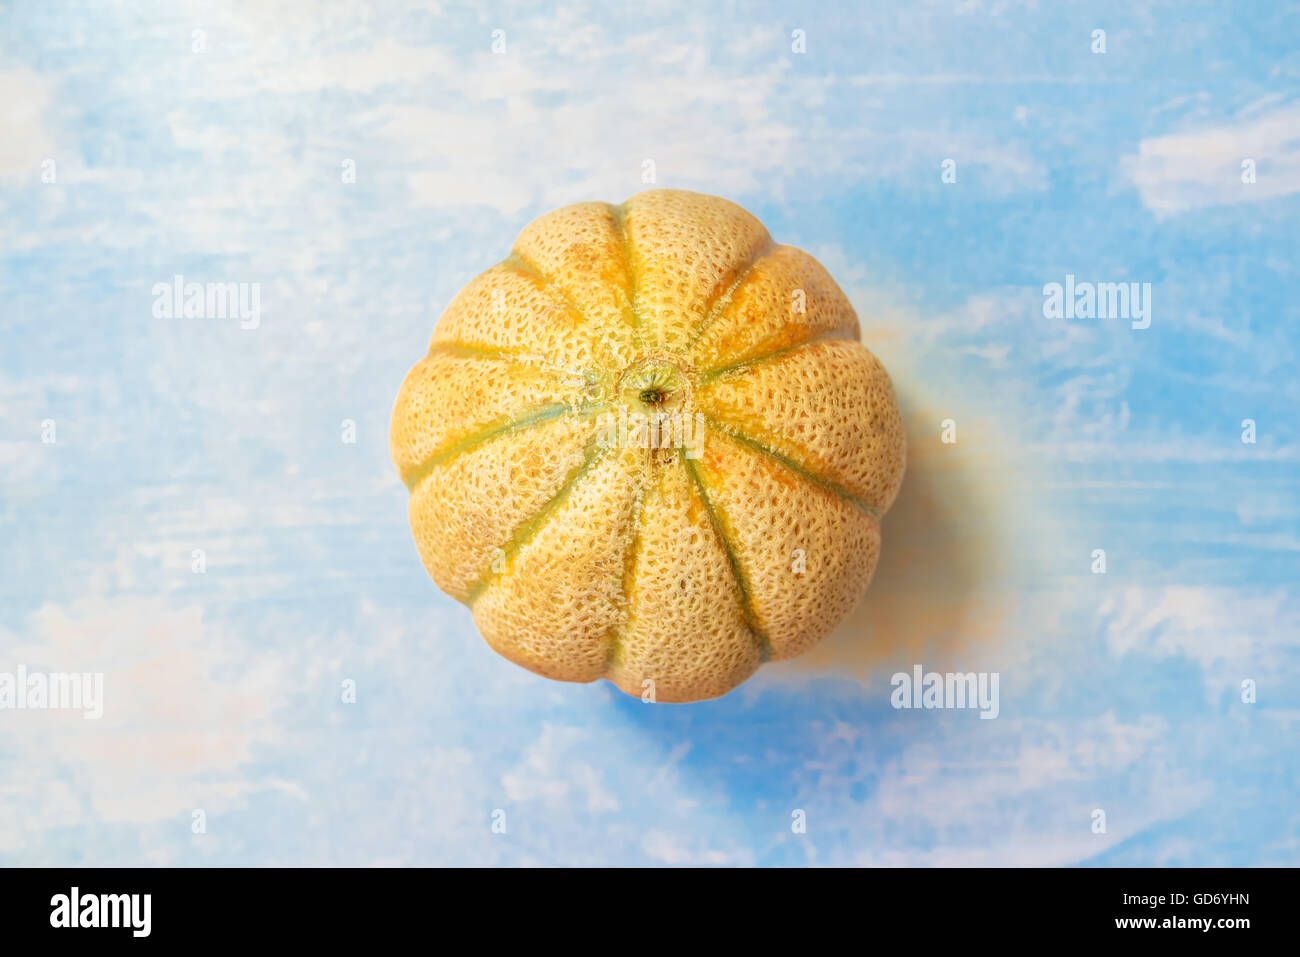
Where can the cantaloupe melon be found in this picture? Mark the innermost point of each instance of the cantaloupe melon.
(648, 447)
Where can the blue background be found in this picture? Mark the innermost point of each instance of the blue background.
(210, 141)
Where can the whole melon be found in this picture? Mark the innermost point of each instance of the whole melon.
(648, 447)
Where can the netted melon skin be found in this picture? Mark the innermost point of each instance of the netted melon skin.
(672, 563)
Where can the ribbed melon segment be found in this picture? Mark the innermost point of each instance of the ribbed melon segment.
(687, 251)
(787, 298)
(579, 252)
(450, 402)
(827, 407)
(805, 553)
(511, 310)
(465, 510)
(558, 597)
(686, 629)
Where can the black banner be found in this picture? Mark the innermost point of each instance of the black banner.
(336, 906)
